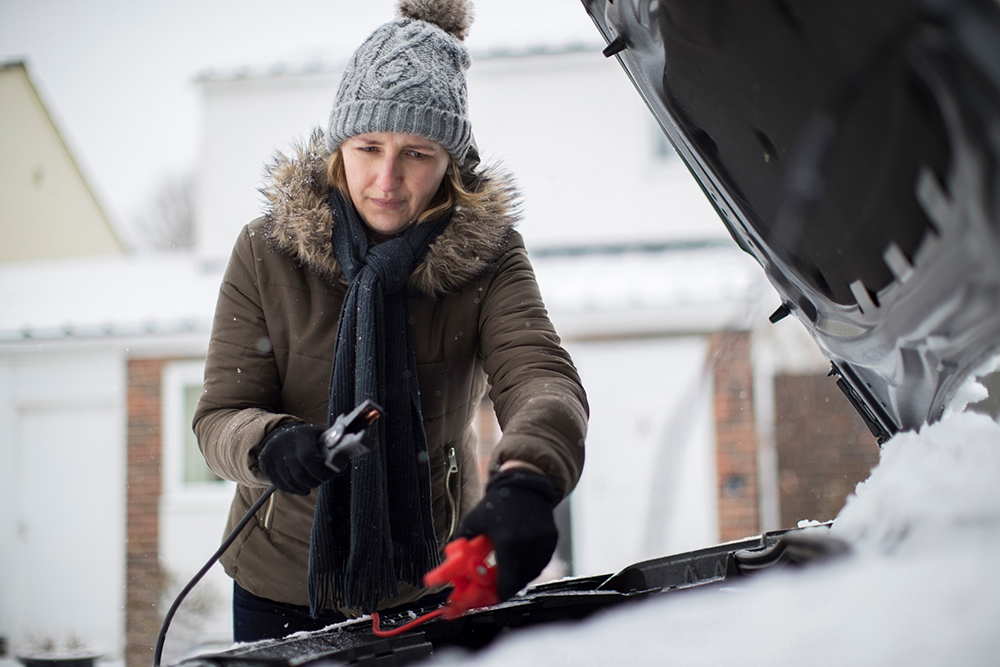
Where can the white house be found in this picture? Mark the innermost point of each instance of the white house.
(76, 313)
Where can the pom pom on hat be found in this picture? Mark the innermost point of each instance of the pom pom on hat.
(453, 16)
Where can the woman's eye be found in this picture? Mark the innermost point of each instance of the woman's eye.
(417, 154)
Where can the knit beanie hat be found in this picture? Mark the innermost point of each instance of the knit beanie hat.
(409, 77)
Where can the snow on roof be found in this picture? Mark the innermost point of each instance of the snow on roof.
(669, 287)
(652, 287)
(654, 274)
(329, 66)
(106, 296)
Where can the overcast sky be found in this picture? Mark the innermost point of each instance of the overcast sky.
(117, 75)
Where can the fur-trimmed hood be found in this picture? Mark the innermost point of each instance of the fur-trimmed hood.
(299, 221)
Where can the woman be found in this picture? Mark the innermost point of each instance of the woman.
(386, 267)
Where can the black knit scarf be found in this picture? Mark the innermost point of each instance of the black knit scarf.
(374, 525)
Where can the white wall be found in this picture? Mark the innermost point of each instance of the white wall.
(62, 531)
(649, 484)
(582, 143)
(245, 122)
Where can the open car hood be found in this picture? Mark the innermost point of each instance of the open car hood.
(852, 148)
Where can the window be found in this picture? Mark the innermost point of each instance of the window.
(195, 469)
(195, 503)
(185, 469)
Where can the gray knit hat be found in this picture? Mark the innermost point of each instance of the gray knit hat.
(409, 77)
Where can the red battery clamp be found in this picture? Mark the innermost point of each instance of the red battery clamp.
(470, 568)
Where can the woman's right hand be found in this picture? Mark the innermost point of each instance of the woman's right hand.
(291, 457)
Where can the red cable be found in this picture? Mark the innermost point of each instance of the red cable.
(403, 628)
(470, 568)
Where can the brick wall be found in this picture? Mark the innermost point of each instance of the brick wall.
(736, 440)
(824, 448)
(144, 578)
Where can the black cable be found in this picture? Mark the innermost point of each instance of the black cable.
(344, 441)
(204, 570)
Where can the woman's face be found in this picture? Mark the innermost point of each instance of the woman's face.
(392, 177)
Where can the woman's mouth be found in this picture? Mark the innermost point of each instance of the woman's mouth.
(387, 204)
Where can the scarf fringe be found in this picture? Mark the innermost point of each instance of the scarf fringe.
(332, 590)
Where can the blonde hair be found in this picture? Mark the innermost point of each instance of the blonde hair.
(452, 192)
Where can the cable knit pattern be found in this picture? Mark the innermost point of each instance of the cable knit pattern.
(409, 77)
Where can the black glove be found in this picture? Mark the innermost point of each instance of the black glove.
(292, 458)
(516, 514)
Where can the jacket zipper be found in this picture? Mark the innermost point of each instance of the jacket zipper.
(450, 495)
(269, 512)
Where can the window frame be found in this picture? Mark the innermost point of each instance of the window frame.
(177, 377)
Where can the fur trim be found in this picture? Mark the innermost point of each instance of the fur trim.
(300, 222)
(452, 16)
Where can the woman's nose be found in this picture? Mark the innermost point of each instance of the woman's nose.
(388, 174)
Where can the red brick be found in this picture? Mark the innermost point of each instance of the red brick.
(144, 579)
(824, 447)
(735, 432)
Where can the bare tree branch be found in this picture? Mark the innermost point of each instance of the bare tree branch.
(168, 219)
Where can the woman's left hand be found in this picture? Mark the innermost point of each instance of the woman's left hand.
(516, 514)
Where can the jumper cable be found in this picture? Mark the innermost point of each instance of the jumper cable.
(470, 567)
(345, 440)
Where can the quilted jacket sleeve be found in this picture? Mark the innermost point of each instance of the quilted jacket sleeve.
(536, 391)
(240, 402)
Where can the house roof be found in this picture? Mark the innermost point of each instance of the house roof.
(330, 66)
(625, 290)
(49, 208)
(674, 287)
(89, 298)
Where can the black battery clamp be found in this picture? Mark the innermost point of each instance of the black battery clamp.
(345, 440)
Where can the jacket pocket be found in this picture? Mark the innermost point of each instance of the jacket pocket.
(452, 493)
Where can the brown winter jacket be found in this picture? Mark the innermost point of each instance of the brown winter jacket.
(478, 322)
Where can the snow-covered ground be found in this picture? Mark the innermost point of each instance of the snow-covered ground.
(921, 586)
